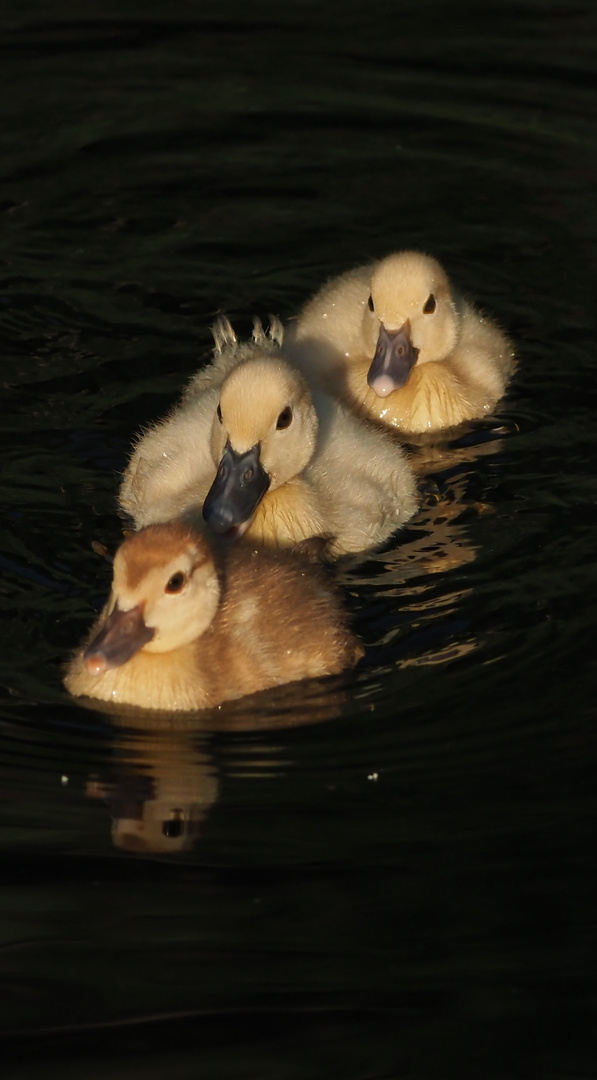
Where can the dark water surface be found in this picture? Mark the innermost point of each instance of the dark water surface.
(390, 874)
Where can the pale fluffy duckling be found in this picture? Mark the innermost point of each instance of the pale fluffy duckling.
(187, 629)
(294, 465)
(394, 341)
(280, 464)
(171, 467)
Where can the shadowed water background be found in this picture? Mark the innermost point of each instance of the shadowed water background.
(389, 874)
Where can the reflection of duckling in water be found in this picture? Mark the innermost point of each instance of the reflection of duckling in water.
(439, 540)
(285, 465)
(165, 795)
(187, 629)
(164, 781)
(393, 341)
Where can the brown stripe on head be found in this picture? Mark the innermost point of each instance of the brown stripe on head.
(156, 546)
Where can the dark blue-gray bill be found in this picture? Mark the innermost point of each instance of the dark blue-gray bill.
(240, 484)
(393, 361)
(121, 636)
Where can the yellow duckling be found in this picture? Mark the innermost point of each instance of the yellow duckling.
(185, 630)
(294, 465)
(171, 467)
(394, 341)
(280, 464)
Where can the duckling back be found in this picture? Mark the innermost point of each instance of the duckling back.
(229, 351)
(326, 338)
(281, 620)
(171, 467)
(363, 478)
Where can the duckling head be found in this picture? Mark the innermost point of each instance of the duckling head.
(263, 435)
(165, 593)
(410, 318)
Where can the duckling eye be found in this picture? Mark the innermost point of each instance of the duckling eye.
(176, 582)
(429, 305)
(219, 413)
(285, 418)
(370, 304)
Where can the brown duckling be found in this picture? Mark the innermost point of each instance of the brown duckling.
(187, 628)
